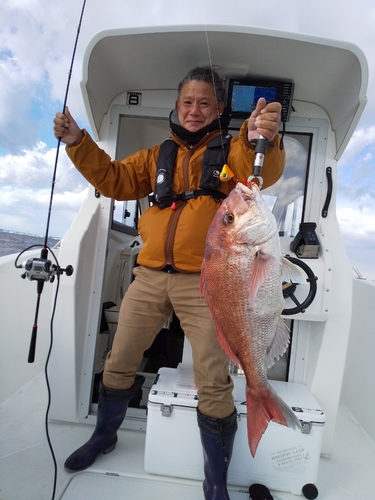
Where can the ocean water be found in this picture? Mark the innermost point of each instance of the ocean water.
(11, 242)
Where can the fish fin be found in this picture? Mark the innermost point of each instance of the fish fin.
(291, 273)
(220, 336)
(279, 344)
(224, 344)
(261, 271)
(260, 411)
(202, 286)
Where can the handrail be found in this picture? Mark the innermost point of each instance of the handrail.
(358, 273)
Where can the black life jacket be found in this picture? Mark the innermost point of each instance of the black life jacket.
(213, 161)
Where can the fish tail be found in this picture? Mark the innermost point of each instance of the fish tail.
(260, 411)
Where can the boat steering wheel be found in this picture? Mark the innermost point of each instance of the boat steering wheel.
(289, 289)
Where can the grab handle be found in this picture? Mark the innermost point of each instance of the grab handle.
(329, 191)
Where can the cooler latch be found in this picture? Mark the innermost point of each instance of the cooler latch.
(166, 410)
(306, 427)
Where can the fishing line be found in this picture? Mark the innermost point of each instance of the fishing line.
(63, 110)
(49, 387)
(45, 245)
(216, 98)
(41, 269)
(261, 144)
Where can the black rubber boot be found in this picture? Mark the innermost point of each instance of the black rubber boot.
(217, 436)
(112, 407)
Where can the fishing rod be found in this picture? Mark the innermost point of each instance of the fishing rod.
(261, 146)
(41, 269)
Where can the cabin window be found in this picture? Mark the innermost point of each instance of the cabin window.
(126, 213)
(286, 198)
(135, 133)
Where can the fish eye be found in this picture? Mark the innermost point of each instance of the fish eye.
(228, 218)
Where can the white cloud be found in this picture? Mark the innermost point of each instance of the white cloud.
(355, 206)
(357, 224)
(25, 189)
(26, 209)
(34, 169)
(36, 44)
(363, 139)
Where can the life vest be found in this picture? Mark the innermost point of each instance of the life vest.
(214, 157)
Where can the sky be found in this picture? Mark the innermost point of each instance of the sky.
(36, 45)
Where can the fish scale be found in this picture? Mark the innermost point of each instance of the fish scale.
(241, 281)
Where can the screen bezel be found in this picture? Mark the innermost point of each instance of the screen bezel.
(283, 91)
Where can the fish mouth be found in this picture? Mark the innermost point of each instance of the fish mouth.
(247, 193)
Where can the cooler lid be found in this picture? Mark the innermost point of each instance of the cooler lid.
(174, 387)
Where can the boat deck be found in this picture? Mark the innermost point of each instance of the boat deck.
(26, 467)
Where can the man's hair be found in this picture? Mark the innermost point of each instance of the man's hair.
(205, 74)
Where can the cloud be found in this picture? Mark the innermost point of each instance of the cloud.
(355, 203)
(356, 217)
(356, 178)
(25, 210)
(36, 45)
(34, 64)
(34, 169)
(363, 139)
(25, 189)
(356, 223)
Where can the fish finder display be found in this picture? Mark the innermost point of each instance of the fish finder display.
(243, 96)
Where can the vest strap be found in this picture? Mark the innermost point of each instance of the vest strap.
(194, 193)
(214, 157)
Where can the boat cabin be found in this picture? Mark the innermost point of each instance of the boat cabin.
(129, 84)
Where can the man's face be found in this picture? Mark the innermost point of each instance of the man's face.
(197, 106)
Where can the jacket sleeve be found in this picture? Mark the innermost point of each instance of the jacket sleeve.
(129, 179)
(241, 159)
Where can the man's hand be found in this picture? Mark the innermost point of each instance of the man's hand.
(265, 120)
(66, 129)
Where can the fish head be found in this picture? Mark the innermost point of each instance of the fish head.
(243, 218)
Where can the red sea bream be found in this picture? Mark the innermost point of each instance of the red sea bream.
(241, 281)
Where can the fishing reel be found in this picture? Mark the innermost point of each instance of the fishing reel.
(289, 289)
(39, 269)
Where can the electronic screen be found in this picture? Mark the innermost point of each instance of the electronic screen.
(243, 96)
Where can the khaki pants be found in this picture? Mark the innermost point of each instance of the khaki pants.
(146, 306)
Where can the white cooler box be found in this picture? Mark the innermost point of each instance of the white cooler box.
(285, 460)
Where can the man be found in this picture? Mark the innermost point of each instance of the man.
(183, 175)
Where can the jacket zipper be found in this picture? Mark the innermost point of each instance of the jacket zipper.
(172, 232)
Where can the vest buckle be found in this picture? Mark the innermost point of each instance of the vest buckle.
(187, 195)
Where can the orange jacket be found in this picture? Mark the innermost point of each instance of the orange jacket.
(175, 237)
